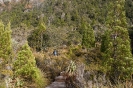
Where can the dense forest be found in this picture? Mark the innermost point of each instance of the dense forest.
(88, 42)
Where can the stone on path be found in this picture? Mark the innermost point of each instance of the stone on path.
(58, 83)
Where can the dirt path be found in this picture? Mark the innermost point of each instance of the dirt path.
(59, 82)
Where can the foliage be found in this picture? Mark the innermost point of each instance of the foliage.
(74, 38)
(65, 13)
(129, 10)
(25, 67)
(117, 48)
(5, 42)
(106, 49)
(57, 36)
(71, 69)
(52, 37)
(5, 49)
(19, 14)
(65, 27)
(88, 39)
(105, 41)
(60, 13)
(37, 37)
(74, 52)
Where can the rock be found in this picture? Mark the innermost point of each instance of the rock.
(60, 79)
(58, 83)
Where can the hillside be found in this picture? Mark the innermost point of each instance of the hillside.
(93, 40)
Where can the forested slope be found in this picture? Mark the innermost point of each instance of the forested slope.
(91, 39)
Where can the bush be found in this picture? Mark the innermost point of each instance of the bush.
(25, 67)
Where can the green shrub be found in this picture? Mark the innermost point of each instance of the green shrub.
(25, 67)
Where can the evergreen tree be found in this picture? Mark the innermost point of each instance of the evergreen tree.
(119, 51)
(5, 48)
(25, 67)
(106, 46)
(88, 38)
(37, 37)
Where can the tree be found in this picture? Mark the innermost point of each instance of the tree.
(88, 38)
(129, 9)
(119, 50)
(5, 47)
(37, 36)
(106, 49)
(25, 67)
